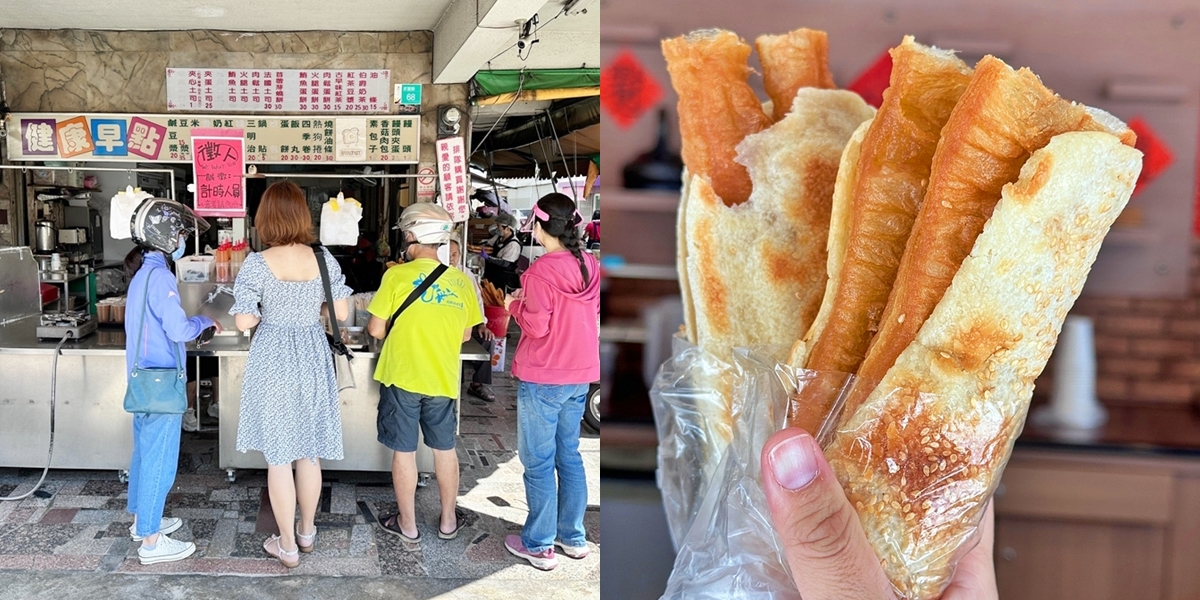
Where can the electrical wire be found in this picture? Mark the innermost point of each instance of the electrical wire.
(539, 28)
(558, 142)
(50, 452)
(516, 96)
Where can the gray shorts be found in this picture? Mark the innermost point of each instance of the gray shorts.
(401, 411)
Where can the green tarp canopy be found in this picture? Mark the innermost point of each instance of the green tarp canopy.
(493, 83)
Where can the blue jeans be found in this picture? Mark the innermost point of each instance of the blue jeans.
(152, 469)
(547, 441)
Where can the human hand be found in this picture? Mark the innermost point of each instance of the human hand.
(508, 300)
(823, 540)
(217, 325)
(485, 334)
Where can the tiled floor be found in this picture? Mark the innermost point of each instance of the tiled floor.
(83, 525)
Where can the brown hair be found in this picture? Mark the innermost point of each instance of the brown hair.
(283, 216)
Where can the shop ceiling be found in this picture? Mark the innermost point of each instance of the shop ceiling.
(469, 35)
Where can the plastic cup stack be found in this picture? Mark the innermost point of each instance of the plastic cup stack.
(1073, 402)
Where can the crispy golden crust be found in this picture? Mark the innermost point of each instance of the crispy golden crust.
(893, 171)
(1001, 118)
(921, 456)
(717, 108)
(791, 61)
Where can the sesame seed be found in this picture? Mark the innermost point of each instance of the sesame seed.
(900, 319)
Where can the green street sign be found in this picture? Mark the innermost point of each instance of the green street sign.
(410, 94)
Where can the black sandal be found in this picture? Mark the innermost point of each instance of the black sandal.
(394, 529)
(458, 524)
(481, 392)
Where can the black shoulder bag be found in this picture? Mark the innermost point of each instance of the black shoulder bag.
(341, 354)
(416, 293)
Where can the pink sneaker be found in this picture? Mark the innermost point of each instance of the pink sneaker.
(543, 560)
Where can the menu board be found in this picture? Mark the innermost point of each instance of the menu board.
(167, 138)
(279, 90)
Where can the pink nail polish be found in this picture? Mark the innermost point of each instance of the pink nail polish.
(794, 463)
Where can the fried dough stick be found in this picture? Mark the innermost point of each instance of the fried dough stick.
(791, 61)
(1001, 119)
(717, 108)
(891, 174)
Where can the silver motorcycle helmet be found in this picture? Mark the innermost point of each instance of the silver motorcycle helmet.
(157, 224)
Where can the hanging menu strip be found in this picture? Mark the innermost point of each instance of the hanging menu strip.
(343, 91)
(167, 138)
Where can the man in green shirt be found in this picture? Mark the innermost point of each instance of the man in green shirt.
(418, 368)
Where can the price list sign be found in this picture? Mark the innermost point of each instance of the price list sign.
(344, 91)
(168, 138)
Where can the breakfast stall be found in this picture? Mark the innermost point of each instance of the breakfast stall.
(355, 149)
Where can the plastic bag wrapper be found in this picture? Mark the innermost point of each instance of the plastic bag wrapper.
(729, 548)
(121, 209)
(339, 221)
(919, 469)
(692, 435)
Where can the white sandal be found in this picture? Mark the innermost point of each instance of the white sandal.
(305, 543)
(273, 547)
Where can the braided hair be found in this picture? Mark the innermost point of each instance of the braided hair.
(564, 224)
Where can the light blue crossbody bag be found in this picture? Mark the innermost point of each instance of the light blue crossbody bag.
(158, 390)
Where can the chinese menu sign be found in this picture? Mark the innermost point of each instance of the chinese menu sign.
(218, 160)
(452, 166)
(279, 90)
(168, 138)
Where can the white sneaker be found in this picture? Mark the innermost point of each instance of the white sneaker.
(166, 550)
(190, 421)
(214, 410)
(166, 525)
(575, 552)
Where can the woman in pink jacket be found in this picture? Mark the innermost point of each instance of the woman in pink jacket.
(558, 310)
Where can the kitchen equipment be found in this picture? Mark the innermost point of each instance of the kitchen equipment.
(56, 262)
(46, 236)
(73, 235)
(660, 169)
(43, 261)
(54, 326)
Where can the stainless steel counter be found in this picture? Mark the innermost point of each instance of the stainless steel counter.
(19, 337)
(92, 429)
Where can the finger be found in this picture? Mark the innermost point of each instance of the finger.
(822, 537)
(975, 575)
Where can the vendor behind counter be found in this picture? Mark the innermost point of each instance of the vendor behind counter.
(502, 253)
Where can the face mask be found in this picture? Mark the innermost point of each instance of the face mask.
(178, 253)
(443, 254)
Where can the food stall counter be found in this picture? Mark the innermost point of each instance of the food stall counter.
(92, 429)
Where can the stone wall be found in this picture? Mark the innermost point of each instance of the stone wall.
(125, 71)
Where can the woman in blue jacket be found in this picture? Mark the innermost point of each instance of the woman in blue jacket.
(157, 341)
